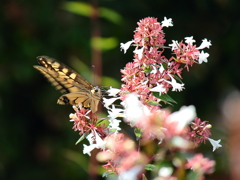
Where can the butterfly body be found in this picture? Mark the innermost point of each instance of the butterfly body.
(74, 87)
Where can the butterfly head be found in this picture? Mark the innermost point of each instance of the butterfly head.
(96, 91)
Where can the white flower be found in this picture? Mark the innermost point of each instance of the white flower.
(126, 46)
(115, 112)
(108, 102)
(90, 138)
(159, 88)
(175, 86)
(161, 69)
(88, 149)
(139, 52)
(215, 144)
(114, 124)
(205, 44)
(113, 91)
(167, 22)
(134, 109)
(154, 70)
(131, 174)
(99, 142)
(203, 57)
(72, 116)
(165, 171)
(183, 116)
(174, 45)
(189, 40)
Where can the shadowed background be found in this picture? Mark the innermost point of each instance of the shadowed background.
(36, 137)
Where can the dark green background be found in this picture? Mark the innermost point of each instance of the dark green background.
(36, 137)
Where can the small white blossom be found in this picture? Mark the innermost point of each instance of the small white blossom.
(175, 86)
(113, 113)
(113, 91)
(205, 44)
(154, 70)
(72, 116)
(203, 57)
(88, 149)
(189, 40)
(139, 52)
(159, 88)
(99, 142)
(165, 171)
(108, 102)
(167, 22)
(183, 116)
(114, 124)
(215, 144)
(125, 46)
(161, 69)
(134, 109)
(174, 45)
(90, 138)
(131, 174)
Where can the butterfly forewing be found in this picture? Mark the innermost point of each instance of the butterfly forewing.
(68, 81)
(63, 71)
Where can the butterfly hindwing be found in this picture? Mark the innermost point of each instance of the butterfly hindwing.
(68, 81)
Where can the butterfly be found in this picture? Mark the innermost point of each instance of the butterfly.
(74, 87)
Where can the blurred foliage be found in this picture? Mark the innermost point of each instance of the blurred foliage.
(37, 140)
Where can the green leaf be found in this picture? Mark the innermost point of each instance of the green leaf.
(79, 8)
(178, 78)
(138, 133)
(104, 43)
(150, 167)
(112, 130)
(102, 121)
(110, 15)
(147, 69)
(164, 97)
(81, 138)
(164, 65)
(85, 9)
(154, 103)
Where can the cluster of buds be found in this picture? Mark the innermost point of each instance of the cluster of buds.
(161, 136)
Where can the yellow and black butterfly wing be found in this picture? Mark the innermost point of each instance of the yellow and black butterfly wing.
(68, 81)
(65, 76)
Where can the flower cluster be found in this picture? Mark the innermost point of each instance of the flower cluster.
(161, 136)
(150, 70)
(199, 131)
(200, 164)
